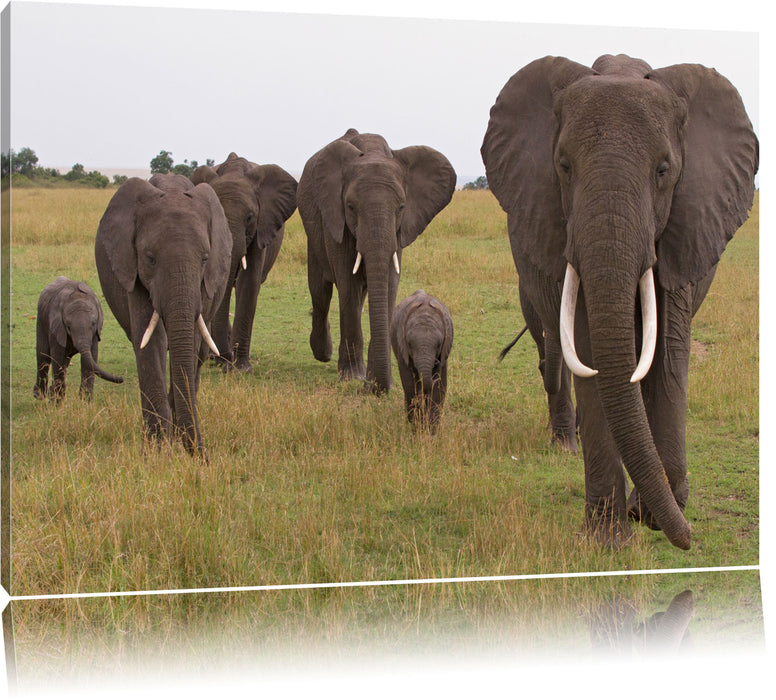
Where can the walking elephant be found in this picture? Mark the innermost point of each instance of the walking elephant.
(422, 337)
(162, 254)
(257, 201)
(362, 202)
(69, 322)
(621, 183)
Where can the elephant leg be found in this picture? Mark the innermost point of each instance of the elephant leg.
(351, 348)
(60, 361)
(555, 374)
(221, 330)
(246, 298)
(665, 397)
(43, 359)
(409, 381)
(320, 293)
(87, 374)
(605, 483)
(151, 364)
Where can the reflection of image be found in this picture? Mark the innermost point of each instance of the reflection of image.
(614, 629)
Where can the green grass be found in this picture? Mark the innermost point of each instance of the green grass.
(310, 480)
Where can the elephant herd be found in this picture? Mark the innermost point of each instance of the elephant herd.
(622, 186)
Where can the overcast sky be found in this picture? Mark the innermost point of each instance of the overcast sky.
(110, 86)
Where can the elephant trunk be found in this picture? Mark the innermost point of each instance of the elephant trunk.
(180, 321)
(425, 366)
(380, 308)
(91, 363)
(610, 297)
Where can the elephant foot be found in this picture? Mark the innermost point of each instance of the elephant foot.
(38, 393)
(565, 441)
(613, 533)
(242, 364)
(321, 346)
(638, 511)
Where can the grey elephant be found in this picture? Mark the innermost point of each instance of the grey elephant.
(69, 322)
(162, 251)
(622, 185)
(257, 201)
(361, 204)
(421, 338)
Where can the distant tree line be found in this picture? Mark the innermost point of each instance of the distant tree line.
(481, 183)
(163, 163)
(21, 167)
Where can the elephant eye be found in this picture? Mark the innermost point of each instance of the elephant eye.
(151, 259)
(205, 259)
(351, 207)
(663, 168)
(564, 164)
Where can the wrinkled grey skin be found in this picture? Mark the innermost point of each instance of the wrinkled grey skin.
(257, 200)
(165, 245)
(421, 338)
(69, 321)
(357, 195)
(617, 169)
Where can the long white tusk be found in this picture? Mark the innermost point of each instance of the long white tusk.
(358, 263)
(244, 262)
(150, 330)
(396, 263)
(568, 305)
(208, 339)
(649, 325)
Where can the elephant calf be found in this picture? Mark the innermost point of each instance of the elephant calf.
(69, 322)
(422, 337)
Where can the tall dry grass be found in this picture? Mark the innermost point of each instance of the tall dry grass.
(310, 480)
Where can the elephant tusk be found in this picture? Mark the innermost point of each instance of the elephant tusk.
(206, 335)
(568, 305)
(150, 330)
(244, 262)
(649, 325)
(396, 263)
(358, 263)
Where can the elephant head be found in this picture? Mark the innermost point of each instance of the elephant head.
(162, 253)
(257, 200)
(422, 337)
(618, 178)
(361, 203)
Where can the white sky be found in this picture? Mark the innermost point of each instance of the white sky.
(111, 86)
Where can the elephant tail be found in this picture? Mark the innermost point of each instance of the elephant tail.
(504, 352)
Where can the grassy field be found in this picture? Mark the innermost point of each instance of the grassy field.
(311, 481)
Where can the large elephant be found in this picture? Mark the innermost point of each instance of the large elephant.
(627, 183)
(69, 322)
(162, 251)
(361, 203)
(257, 201)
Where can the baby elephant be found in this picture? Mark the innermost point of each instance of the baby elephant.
(69, 322)
(421, 337)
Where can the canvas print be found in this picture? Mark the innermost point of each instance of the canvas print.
(376, 317)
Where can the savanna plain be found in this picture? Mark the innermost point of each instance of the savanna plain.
(312, 481)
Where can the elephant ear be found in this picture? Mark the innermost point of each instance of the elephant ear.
(447, 342)
(326, 182)
(116, 231)
(518, 154)
(429, 184)
(276, 193)
(217, 267)
(716, 188)
(204, 173)
(56, 308)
